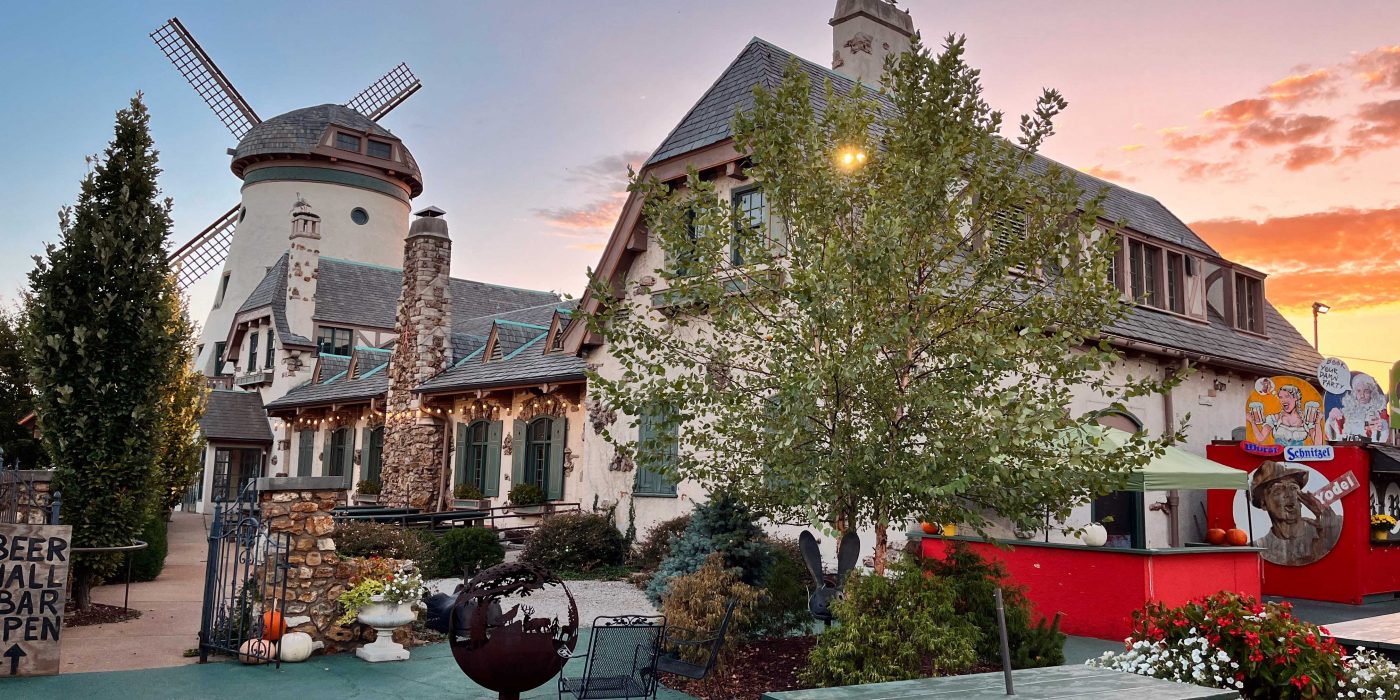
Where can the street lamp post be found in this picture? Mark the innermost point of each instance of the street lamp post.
(1319, 308)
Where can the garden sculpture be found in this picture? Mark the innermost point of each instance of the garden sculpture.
(828, 588)
(509, 652)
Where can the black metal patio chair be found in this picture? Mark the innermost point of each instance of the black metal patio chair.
(621, 659)
(678, 639)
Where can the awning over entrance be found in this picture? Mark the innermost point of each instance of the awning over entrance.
(1384, 458)
(1175, 469)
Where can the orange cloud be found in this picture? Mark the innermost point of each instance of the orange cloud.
(1283, 129)
(1302, 86)
(1379, 123)
(1105, 173)
(1347, 257)
(1240, 112)
(1380, 68)
(598, 214)
(1193, 169)
(1129, 148)
(1303, 156)
(1176, 139)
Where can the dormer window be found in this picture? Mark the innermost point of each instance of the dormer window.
(1249, 303)
(347, 142)
(379, 149)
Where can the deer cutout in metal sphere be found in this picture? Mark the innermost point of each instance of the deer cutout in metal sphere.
(828, 589)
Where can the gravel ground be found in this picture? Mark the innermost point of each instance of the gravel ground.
(594, 599)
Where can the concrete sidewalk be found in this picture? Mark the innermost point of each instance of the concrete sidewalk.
(170, 610)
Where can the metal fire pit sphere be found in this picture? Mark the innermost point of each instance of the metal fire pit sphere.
(514, 651)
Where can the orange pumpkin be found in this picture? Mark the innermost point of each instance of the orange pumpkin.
(928, 528)
(1215, 536)
(273, 625)
(1236, 537)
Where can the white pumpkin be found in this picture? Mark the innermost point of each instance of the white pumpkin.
(295, 647)
(256, 651)
(1094, 535)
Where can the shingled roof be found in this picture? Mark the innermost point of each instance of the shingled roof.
(340, 391)
(529, 367)
(271, 293)
(364, 295)
(235, 416)
(762, 63)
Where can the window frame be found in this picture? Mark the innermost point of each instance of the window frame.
(270, 358)
(334, 330)
(538, 451)
(736, 254)
(649, 482)
(359, 142)
(252, 365)
(220, 347)
(370, 142)
(1248, 301)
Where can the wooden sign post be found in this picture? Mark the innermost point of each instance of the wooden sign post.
(33, 576)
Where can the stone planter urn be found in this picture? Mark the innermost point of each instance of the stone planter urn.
(384, 618)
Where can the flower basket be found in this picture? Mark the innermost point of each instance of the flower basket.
(471, 503)
(366, 499)
(1381, 525)
(384, 617)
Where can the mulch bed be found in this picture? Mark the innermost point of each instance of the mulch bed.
(757, 667)
(763, 666)
(98, 614)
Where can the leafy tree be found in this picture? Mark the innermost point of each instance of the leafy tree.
(183, 396)
(16, 395)
(902, 337)
(99, 348)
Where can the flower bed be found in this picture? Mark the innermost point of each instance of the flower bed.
(1235, 642)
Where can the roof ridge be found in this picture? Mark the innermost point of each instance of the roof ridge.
(376, 266)
(742, 52)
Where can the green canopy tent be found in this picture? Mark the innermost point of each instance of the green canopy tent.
(1177, 469)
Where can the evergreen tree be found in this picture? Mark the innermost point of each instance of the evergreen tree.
(16, 396)
(182, 398)
(901, 336)
(723, 525)
(98, 347)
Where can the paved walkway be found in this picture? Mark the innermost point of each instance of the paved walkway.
(429, 673)
(170, 609)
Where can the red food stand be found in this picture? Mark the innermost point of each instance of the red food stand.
(1345, 479)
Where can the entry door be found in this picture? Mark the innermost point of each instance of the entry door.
(234, 467)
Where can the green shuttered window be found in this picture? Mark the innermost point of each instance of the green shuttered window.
(658, 446)
(306, 451)
(538, 454)
(478, 456)
(372, 441)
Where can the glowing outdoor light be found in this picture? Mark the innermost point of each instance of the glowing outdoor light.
(851, 158)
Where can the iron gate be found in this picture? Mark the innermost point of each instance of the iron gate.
(21, 501)
(245, 577)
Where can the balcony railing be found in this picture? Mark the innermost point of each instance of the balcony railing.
(253, 378)
(223, 381)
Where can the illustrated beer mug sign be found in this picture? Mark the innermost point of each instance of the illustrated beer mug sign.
(1282, 412)
(1355, 406)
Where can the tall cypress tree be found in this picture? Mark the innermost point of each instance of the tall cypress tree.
(98, 346)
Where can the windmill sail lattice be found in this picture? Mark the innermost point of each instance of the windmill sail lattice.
(206, 251)
(385, 94)
(189, 58)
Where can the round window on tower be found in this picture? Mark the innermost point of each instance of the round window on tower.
(359, 216)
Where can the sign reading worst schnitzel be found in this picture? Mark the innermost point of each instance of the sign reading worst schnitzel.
(33, 572)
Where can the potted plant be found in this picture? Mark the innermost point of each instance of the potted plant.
(384, 597)
(469, 497)
(367, 492)
(1381, 525)
(527, 499)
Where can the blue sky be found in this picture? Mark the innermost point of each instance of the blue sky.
(530, 111)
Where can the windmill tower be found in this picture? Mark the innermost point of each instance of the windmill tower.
(357, 175)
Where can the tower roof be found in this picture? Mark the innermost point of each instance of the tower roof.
(312, 132)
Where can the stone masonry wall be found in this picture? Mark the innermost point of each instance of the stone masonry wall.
(26, 493)
(413, 442)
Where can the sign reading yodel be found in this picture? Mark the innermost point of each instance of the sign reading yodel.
(33, 573)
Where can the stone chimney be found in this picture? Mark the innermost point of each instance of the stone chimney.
(303, 268)
(863, 33)
(412, 474)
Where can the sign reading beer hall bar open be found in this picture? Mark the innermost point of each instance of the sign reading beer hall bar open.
(33, 572)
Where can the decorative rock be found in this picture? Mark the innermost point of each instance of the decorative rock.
(320, 525)
(312, 558)
(325, 544)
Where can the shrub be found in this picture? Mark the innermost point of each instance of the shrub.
(367, 488)
(783, 607)
(895, 627)
(575, 542)
(1370, 675)
(657, 544)
(146, 564)
(974, 581)
(724, 524)
(1232, 641)
(696, 603)
(526, 495)
(366, 539)
(464, 550)
(467, 491)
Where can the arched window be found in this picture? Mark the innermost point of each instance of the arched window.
(474, 458)
(1121, 512)
(537, 454)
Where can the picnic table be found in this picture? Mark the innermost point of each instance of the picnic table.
(1031, 684)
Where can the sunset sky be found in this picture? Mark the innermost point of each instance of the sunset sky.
(1271, 128)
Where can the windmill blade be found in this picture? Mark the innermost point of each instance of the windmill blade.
(385, 94)
(206, 251)
(189, 58)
